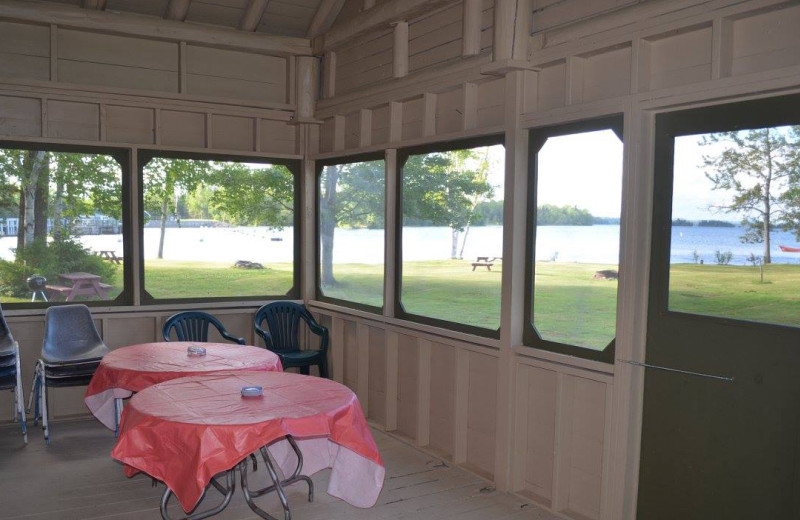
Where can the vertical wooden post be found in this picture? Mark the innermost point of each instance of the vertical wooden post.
(511, 30)
(337, 348)
(308, 223)
(362, 387)
(461, 409)
(306, 87)
(400, 64)
(471, 30)
(722, 48)
(329, 73)
(365, 127)
(470, 106)
(429, 115)
(53, 52)
(338, 132)
(390, 220)
(182, 73)
(395, 121)
(424, 392)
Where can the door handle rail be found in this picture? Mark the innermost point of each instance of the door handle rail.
(727, 379)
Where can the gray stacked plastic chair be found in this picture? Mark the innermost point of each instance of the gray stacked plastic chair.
(71, 351)
(10, 374)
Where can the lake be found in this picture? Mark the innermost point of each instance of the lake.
(582, 244)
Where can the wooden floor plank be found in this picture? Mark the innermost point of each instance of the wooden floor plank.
(75, 479)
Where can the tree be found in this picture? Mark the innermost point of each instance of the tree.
(246, 195)
(163, 180)
(351, 195)
(445, 188)
(756, 165)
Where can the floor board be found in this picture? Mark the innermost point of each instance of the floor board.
(75, 479)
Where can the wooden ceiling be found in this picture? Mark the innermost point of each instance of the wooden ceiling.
(299, 18)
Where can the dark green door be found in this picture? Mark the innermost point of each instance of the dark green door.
(722, 441)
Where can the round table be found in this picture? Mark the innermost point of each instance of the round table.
(185, 431)
(132, 369)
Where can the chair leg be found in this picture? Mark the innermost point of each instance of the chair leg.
(323, 368)
(117, 416)
(33, 389)
(305, 370)
(20, 400)
(45, 422)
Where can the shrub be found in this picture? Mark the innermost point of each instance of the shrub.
(723, 258)
(49, 259)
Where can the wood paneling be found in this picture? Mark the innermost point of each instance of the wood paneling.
(450, 111)
(443, 384)
(233, 133)
(766, 41)
(20, 116)
(186, 129)
(68, 120)
(24, 51)
(130, 125)
(377, 375)
(482, 413)
(678, 58)
(407, 368)
(234, 74)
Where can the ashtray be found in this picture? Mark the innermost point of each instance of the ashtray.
(252, 391)
(195, 351)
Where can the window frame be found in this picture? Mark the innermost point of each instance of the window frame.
(781, 110)
(320, 165)
(403, 155)
(144, 156)
(123, 157)
(537, 139)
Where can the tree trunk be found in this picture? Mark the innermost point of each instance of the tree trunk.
(454, 243)
(37, 163)
(21, 222)
(163, 227)
(41, 212)
(58, 210)
(463, 243)
(327, 225)
(767, 204)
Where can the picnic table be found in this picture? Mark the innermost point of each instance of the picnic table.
(188, 432)
(109, 255)
(485, 261)
(80, 284)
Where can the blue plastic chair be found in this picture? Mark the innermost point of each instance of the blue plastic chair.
(193, 326)
(71, 352)
(281, 336)
(10, 373)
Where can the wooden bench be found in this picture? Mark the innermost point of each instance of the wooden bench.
(487, 265)
(58, 290)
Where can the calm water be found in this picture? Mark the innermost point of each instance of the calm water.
(586, 244)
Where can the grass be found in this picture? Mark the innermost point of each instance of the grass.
(569, 305)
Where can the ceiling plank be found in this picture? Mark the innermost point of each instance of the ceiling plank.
(252, 15)
(324, 17)
(177, 10)
(97, 5)
(142, 26)
(381, 15)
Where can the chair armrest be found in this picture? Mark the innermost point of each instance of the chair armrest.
(264, 335)
(231, 337)
(319, 330)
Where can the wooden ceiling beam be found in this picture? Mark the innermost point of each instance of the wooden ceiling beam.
(381, 15)
(252, 15)
(97, 5)
(177, 10)
(326, 14)
(141, 26)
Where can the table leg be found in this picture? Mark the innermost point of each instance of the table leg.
(277, 483)
(227, 493)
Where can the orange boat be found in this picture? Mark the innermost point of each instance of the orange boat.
(787, 249)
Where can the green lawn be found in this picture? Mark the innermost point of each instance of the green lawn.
(570, 306)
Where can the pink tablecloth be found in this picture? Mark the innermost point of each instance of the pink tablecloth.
(185, 431)
(134, 368)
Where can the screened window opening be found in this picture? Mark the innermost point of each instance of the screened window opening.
(61, 232)
(218, 229)
(735, 240)
(351, 232)
(578, 192)
(452, 236)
